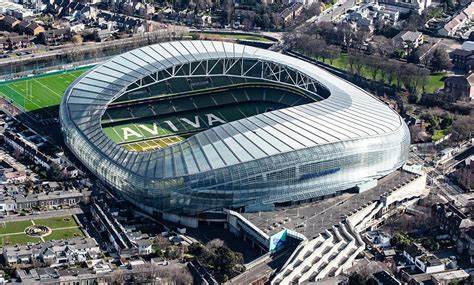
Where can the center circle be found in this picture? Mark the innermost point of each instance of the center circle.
(38, 231)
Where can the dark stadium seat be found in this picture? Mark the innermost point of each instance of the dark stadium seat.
(198, 83)
(142, 111)
(138, 94)
(183, 104)
(219, 81)
(118, 114)
(255, 94)
(178, 85)
(159, 89)
(164, 107)
(224, 98)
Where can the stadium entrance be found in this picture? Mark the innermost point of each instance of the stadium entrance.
(168, 112)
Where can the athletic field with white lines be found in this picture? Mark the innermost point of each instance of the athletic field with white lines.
(38, 92)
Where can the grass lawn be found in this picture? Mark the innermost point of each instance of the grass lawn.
(62, 228)
(236, 36)
(64, 234)
(14, 227)
(18, 239)
(434, 81)
(439, 134)
(329, 5)
(37, 92)
(57, 222)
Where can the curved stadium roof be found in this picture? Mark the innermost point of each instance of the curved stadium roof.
(348, 113)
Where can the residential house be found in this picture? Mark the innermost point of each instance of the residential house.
(29, 27)
(465, 243)
(415, 5)
(458, 21)
(363, 19)
(12, 41)
(446, 277)
(49, 200)
(18, 254)
(290, 13)
(459, 88)
(429, 263)
(14, 9)
(417, 256)
(409, 40)
(465, 174)
(11, 170)
(449, 277)
(385, 278)
(56, 36)
(452, 220)
(451, 27)
(463, 59)
(7, 204)
(70, 251)
(412, 252)
(144, 246)
(203, 20)
(9, 23)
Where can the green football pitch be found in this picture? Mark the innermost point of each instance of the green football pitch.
(38, 92)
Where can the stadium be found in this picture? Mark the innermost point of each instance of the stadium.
(191, 127)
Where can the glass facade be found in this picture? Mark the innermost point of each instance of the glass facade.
(292, 154)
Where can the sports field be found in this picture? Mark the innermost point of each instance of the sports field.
(12, 233)
(38, 92)
(163, 131)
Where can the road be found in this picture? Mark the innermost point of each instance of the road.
(458, 158)
(264, 269)
(443, 185)
(42, 215)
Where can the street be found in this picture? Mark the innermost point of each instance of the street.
(42, 215)
(441, 183)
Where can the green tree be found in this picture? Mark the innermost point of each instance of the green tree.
(400, 241)
(440, 60)
(357, 279)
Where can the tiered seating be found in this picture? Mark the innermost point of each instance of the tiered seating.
(224, 98)
(183, 104)
(178, 85)
(138, 94)
(273, 96)
(141, 111)
(220, 81)
(158, 89)
(175, 100)
(117, 115)
(197, 83)
(255, 94)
